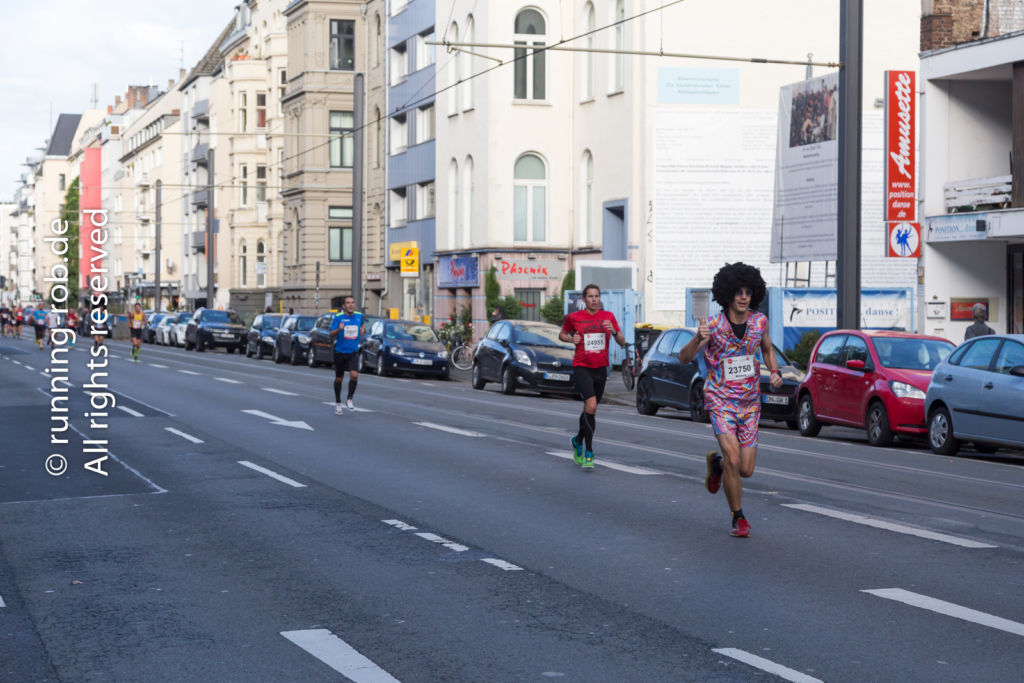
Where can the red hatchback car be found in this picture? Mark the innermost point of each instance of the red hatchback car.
(873, 379)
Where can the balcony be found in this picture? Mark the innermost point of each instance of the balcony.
(199, 153)
(201, 111)
(197, 242)
(142, 181)
(201, 199)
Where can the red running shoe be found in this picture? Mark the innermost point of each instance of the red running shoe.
(713, 479)
(740, 528)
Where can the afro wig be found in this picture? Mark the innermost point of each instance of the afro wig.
(731, 278)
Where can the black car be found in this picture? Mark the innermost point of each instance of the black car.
(522, 354)
(320, 343)
(292, 339)
(665, 382)
(210, 328)
(262, 333)
(394, 346)
(149, 331)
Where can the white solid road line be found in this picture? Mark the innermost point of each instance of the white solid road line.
(949, 609)
(451, 545)
(29, 366)
(228, 380)
(771, 667)
(189, 372)
(183, 435)
(269, 473)
(889, 526)
(2, 603)
(507, 566)
(643, 471)
(133, 413)
(279, 391)
(450, 430)
(339, 655)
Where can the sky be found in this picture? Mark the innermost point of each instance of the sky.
(52, 52)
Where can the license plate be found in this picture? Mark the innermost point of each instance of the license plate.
(422, 361)
(226, 336)
(776, 400)
(557, 376)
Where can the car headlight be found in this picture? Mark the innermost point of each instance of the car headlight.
(904, 390)
(397, 351)
(303, 338)
(523, 357)
(442, 354)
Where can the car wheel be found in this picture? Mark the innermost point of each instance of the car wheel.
(260, 353)
(940, 432)
(478, 380)
(443, 376)
(188, 346)
(644, 406)
(381, 370)
(248, 353)
(508, 381)
(231, 349)
(278, 358)
(295, 355)
(877, 427)
(200, 346)
(807, 423)
(698, 411)
(311, 357)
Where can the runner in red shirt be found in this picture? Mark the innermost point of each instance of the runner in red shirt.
(589, 330)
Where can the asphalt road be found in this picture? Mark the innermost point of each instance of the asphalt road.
(245, 532)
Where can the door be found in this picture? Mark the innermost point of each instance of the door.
(963, 390)
(529, 302)
(824, 370)
(614, 235)
(373, 342)
(852, 385)
(488, 350)
(1002, 396)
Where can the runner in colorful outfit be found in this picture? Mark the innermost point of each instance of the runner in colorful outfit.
(347, 332)
(136, 321)
(732, 391)
(589, 330)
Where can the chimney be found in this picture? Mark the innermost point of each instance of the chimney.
(170, 84)
(110, 108)
(117, 100)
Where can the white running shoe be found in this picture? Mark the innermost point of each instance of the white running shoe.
(349, 404)
(337, 409)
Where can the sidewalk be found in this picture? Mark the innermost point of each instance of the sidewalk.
(615, 392)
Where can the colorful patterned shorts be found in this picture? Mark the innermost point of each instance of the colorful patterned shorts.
(738, 420)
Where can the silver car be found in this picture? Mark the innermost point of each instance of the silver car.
(977, 394)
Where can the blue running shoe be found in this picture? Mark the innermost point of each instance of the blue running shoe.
(577, 451)
(588, 461)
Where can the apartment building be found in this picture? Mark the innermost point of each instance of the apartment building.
(8, 252)
(378, 281)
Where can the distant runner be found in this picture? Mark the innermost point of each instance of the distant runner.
(136, 321)
(589, 329)
(347, 333)
(732, 391)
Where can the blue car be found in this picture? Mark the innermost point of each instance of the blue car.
(404, 346)
(977, 395)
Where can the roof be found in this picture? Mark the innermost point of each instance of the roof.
(212, 60)
(63, 135)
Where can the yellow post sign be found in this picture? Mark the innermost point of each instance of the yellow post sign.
(410, 262)
(395, 249)
(393, 313)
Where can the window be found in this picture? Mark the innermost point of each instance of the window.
(261, 110)
(587, 198)
(61, 182)
(529, 201)
(399, 63)
(453, 203)
(397, 208)
(831, 349)
(424, 124)
(619, 59)
(665, 341)
(339, 248)
(343, 45)
(467, 198)
(261, 265)
(856, 349)
(243, 270)
(342, 145)
(979, 355)
(424, 52)
(282, 88)
(466, 89)
(1010, 356)
(243, 113)
(587, 72)
(379, 133)
(261, 183)
(399, 133)
(529, 76)
(378, 41)
(243, 173)
(425, 200)
(453, 73)
(682, 339)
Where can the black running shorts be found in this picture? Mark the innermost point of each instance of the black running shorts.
(345, 362)
(590, 381)
(136, 334)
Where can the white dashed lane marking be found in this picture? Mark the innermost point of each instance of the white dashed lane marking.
(763, 664)
(339, 655)
(272, 474)
(228, 380)
(133, 413)
(188, 372)
(501, 564)
(629, 469)
(889, 526)
(450, 430)
(183, 435)
(949, 609)
(279, 391)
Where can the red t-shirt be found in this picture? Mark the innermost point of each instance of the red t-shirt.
(592, 351)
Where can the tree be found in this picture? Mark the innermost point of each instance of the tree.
(510, 307)
(552, 308)
(801, 353)
(70, 214)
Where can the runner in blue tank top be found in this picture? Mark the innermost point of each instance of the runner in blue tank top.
(347, 333)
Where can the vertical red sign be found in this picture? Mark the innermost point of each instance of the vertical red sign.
(90, 204)
(900, 146)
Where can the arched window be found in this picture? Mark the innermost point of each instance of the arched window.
(455, 63)
(379, 139)
(587, 72)
(467, 203)
(587, 198)
(261, 265)
(530, 72)
(529, 199)
(466, 69)
(453, 203)
(243, 271)
(378, 45)
(619, 59)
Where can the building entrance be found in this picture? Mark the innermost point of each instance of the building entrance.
(1015, 271)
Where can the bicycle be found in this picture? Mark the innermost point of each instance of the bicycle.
(461, 356)
(630, 366)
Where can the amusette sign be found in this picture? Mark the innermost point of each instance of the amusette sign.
(900, 146)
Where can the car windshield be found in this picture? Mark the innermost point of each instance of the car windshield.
(221, 317)
(540, 335)
(184, 317)
(305, 323)
(911, 354)
(409, 332)
(271, 321)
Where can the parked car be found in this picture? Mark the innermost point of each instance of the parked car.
(521, 354)
(977, 395)
(210, 328)
(178, 328)
(320, 343)
(149, 331)
(261, 336)
(165, 328)
(394, 346)
(292, 339)
(871, 379)
(664, 381)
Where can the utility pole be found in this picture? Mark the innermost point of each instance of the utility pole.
(357, 193)
(156, 276)
(851, 52)
(209, 229)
